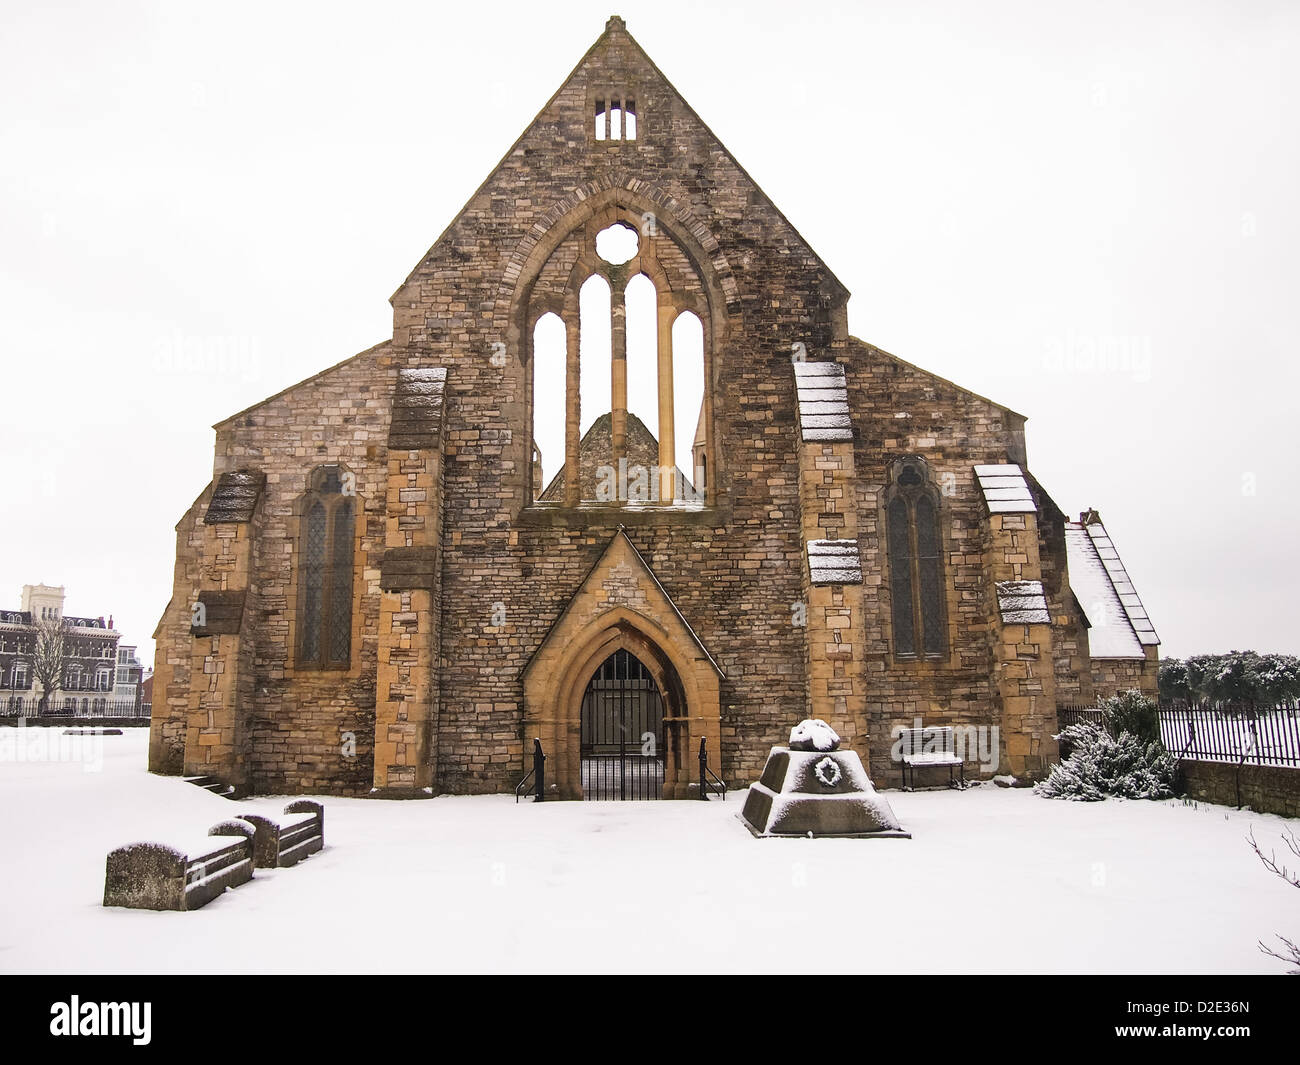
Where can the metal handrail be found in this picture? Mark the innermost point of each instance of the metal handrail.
(721, 784)
(705, 772)
(523, 784)
(537, 774)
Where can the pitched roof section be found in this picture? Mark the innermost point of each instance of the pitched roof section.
(871, 351)
(235, 497)
(299, 384)
(1005, 490)
(417, 408)
(823, 401)
(1119, 579)
(621, 540)
(616, 30)
(1110, 634)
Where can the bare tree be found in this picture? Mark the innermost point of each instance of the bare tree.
(49, 656)
(1290, 952)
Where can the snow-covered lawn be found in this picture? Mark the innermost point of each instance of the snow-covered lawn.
(993, 881)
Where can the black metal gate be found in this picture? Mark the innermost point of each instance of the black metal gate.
(622, 732)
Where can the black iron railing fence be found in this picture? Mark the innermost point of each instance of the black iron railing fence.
(1253, 735)
(1250, 735)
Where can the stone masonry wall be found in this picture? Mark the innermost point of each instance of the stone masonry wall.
(899, 409)
(300, 721)
(1113, 675)
(1264, 788)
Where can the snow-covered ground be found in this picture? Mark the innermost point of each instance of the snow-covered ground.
(994, 880)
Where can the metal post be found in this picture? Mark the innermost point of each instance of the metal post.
(704, 765)
(539, 769)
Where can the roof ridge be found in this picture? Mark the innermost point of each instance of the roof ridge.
(616, 26)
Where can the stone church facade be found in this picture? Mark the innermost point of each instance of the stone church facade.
(380, 593)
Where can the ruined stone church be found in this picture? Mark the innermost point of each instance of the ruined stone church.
(622, 482)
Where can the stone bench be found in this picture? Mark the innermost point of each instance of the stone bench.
(926, 747)
(158, 876)
(281, 842)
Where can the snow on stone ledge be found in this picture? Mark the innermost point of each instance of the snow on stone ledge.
(1005, 490)
(834, 562)
(823, 401)
(1023, 603)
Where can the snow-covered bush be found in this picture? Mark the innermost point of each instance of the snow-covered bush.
(1131, 712)
(1101, 765)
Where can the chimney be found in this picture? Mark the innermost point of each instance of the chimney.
(1089, 517)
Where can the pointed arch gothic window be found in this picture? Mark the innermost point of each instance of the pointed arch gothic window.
(327, 522)
(915, 546)
(619, 369)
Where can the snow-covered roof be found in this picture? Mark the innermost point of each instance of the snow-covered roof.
(1119, 578)
(834, 562)
(1005, 490)
(1100, 584)
(823, 401)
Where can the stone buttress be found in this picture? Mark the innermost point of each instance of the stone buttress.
(221, 627)
(1021, 623)
(832, 576)
(406, 697)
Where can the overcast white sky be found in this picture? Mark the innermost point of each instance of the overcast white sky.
(1004, 186)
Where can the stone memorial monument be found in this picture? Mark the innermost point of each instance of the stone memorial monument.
(812, 788)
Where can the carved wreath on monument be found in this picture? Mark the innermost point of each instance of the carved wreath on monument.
(828, 772)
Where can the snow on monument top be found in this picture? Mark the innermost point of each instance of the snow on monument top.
(813, 734)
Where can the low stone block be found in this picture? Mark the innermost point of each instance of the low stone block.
(284, 841)
(159, 876)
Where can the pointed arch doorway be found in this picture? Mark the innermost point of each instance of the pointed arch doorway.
(621, 741)
(621, 607)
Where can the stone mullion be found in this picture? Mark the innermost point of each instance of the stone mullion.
(618, 371)
(667, 408)
(572, 401)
